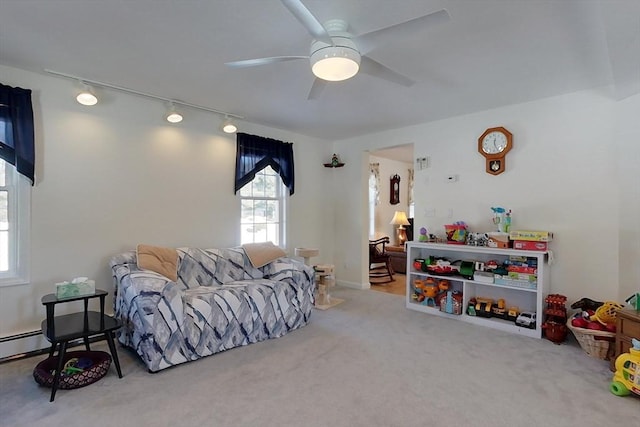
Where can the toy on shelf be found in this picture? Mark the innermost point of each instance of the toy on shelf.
(626, 379)
(513, 313)
(456, 233)
(471, 307)
(498, 218)
(526, 319)
(423, 235)
(499, 310)
(425, 291)
(443, 285)
(451, 302)
(440, 267)
(483, 307)
(555, 328)
(429, 291)
(417, 290)
(477, 239)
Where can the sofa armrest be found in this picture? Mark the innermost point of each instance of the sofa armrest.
(145, 298)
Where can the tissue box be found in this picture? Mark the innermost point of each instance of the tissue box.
(71, 289)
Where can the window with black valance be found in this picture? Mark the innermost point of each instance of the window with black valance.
(255, 153)
(16, 129)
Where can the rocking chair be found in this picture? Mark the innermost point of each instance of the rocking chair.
(380, 270)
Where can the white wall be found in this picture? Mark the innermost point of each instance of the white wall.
(573, 170)
(116, 174)
(384, 210)
(627, 134)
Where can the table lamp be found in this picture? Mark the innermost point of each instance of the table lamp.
(400, 219)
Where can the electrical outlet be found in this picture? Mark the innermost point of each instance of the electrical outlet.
(430, 213)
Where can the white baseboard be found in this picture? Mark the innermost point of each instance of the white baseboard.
(23, 345)
(353, 285)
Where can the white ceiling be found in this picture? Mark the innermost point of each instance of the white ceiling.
(491, 53)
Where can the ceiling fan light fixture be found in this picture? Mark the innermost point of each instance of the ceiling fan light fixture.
(335, 63)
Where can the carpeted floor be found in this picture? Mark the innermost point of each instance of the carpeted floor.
(366, 362)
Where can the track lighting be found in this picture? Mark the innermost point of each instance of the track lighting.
(173, 116)
(86, 96)
(228, 126)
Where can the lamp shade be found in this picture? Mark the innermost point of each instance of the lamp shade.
(400, 218)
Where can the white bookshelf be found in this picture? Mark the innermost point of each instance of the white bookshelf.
(524, 298)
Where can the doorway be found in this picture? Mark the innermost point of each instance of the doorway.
(384, 200)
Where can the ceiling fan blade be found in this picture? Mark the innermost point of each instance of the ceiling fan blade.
(306, 18)
(376, 69)
(405, 29)
(317, 88)
(262, 61)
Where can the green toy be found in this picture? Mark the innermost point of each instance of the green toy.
(634, 301)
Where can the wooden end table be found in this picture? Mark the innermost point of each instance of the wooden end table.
(59, 330)
(627, 327)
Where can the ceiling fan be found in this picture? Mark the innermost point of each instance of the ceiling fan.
(337, 55)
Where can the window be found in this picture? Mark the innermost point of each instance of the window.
(374, 196)
(14, 226)
(263, 209)
(372, 207)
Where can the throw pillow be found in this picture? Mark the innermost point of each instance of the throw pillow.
(161, 260)
(261, 254)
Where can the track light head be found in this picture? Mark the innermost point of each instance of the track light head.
(228, 126)
(173, 116)
(86, 96)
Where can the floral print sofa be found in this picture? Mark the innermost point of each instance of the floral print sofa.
(219, 301)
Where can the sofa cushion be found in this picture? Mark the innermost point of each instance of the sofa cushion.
(197, 267)
(158, 259)
(261, 254)
(208, 267)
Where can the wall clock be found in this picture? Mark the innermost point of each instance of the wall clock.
(394, 198)
(494, 144)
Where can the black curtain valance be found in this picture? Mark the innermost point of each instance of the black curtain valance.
(16, 129)
(255, 153)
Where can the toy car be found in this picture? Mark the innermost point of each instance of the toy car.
(526, 319)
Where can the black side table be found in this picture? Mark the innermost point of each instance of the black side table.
(62, 329)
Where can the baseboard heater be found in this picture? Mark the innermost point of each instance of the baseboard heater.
(42, 350)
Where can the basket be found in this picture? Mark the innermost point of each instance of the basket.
(595, 343)
(43, 372)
